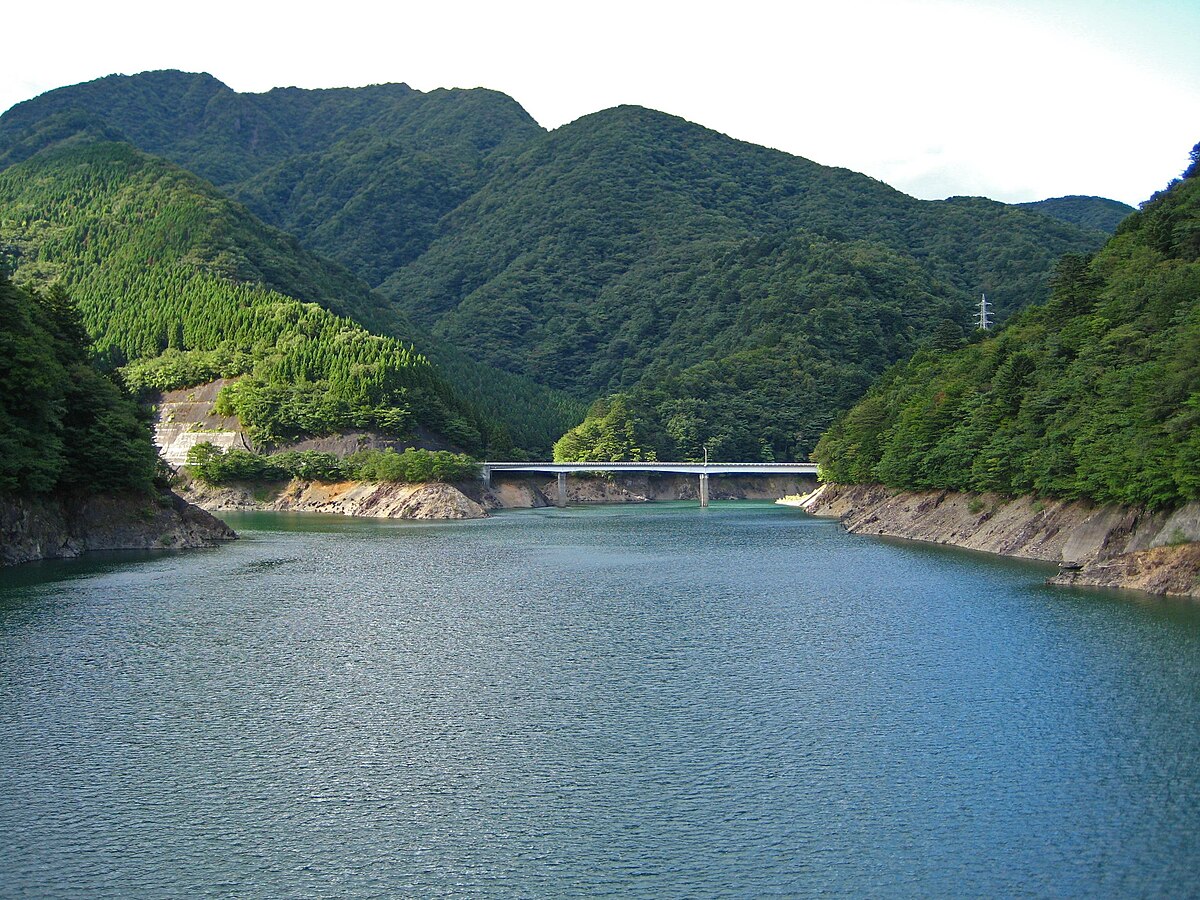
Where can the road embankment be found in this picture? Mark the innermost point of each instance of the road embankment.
(1099, 546)
(347, 498)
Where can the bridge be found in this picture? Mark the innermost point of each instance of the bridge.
(563, 469)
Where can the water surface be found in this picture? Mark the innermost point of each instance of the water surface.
(637, 700)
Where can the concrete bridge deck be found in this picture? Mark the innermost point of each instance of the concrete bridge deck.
(703, 470)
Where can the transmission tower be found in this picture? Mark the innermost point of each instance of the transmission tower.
(985, 314)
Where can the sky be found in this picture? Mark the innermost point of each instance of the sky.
(1011, 99)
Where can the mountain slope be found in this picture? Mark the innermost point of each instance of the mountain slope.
(1095, 394)
(63, 425)
(159, 261)
(544, 267)
(361, 175)
(784, 332)
(583, 259)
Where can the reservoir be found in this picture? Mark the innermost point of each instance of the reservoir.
(640, 700)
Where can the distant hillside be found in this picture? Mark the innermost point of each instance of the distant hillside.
(1094, 394)
(547, 267)
(1099, 213)
(586, 259)
(783, 333)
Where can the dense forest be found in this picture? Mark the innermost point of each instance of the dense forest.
(63, 424)
(1088, 212)
(794, 329)
(701, 290)
(361, 175)
(1095, 393)
(177, 286)
(216, 466)
(564, 252)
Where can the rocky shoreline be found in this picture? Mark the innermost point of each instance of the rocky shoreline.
(64, 526)
(1095, 546)
(347, 498)
(472, 500)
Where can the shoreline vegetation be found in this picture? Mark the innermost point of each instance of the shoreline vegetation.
(218, 466)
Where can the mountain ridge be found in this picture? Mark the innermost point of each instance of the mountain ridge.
(571, 257)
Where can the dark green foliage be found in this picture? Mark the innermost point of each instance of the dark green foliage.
(782, 334)
(1095, 394)
(216, 466)
(571, 263)
(362, 175)
(63, 425)
(1098, 213)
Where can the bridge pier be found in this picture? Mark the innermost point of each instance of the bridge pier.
(486, 474)
(561, 499)
(703, 491)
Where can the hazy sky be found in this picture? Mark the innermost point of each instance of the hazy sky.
(1011, 99)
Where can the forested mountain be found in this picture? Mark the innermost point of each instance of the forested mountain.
(1088, 212)
(63, 425)
(361, 175)
(1095, 393)
(743, 293)
(159, 262)
(543, 269)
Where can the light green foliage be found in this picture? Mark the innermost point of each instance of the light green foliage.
(170, 276)
(609, 434)
(1095, 394)
(184, 368)
(216, 466)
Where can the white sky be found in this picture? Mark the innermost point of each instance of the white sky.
(1011, 99)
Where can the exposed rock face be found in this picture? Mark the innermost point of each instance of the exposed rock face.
(1162, 570)
(1112, 546)
(57, 527)
(348, 498)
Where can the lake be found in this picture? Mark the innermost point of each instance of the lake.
(640, 700)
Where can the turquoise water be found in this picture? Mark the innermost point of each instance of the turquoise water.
(629, 700)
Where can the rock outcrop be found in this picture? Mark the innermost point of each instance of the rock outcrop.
(56, 527)
(347, 498)
(1104, 546)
